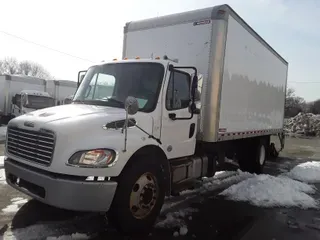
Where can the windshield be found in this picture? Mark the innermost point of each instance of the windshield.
(39, 102)
(111, 84)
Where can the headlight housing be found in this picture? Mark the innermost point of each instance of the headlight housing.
(96, 158)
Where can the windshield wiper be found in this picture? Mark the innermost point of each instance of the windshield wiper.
(78, 101)
(115, 101)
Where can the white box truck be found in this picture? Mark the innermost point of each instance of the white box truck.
(142, 128)
(61, 89)
(20, 95)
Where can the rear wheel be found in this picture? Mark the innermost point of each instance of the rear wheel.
(260, 157)
(252, 155)
(139, 197)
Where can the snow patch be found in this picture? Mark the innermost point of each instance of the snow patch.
(306, 172)
(269, 191)
(220, 180)
(15, 205)
(2, 177)
(41, 231)
(222, 174)
(74, 236)
(3, 132)
(16, 199)
(215, 183)
(2, 173)
(13, 208)
(2, 161)
(175, 219)
(183, 230)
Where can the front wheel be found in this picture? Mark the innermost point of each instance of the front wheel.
(139, 197)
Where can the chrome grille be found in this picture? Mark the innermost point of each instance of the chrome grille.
(33, 146)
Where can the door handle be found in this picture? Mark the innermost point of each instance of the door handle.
(172, 116)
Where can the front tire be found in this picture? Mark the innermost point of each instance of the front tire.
(139, 196)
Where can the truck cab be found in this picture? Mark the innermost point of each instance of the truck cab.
(126, 120)
(30, 100)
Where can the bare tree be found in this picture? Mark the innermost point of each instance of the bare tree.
(294, 104)
(26, 68)
(33, 69)
(9, 65)
(315, 107)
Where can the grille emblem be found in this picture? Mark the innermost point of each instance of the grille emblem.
(28, 124)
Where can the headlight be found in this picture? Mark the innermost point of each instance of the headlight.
(93, 158)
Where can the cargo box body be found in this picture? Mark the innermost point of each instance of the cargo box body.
(244, 79)
(11, 85)
(60, 89)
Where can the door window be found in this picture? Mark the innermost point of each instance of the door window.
(178, 91)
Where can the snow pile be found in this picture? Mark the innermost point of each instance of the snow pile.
(1, 161)
(176, 220)
(2, 176)
(269, 191)
(2, 173)
(219, 181)
(74, 236)
(306, 172)
(303, 124)
(15, 205)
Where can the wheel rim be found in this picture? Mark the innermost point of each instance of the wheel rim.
(144, 195)
(262, 155)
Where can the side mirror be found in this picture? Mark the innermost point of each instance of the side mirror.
(131, 105)
(14, 100)
(81, 75)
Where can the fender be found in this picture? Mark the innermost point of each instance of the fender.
(157, 153)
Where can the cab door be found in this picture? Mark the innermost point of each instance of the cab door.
(178, 131)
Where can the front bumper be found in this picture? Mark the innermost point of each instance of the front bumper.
(58, 190)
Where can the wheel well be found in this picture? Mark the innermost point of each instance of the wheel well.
(157, 156)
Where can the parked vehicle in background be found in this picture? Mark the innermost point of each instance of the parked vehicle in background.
(61, 89)
(68, 99)
(20, 95)
(144, 127)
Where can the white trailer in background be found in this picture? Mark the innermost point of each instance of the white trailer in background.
(145, 127)
(20, 95)
(61, 89)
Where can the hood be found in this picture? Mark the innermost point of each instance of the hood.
(72, 114)
(71, 111)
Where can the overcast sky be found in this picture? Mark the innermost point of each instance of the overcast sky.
(93, 31)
